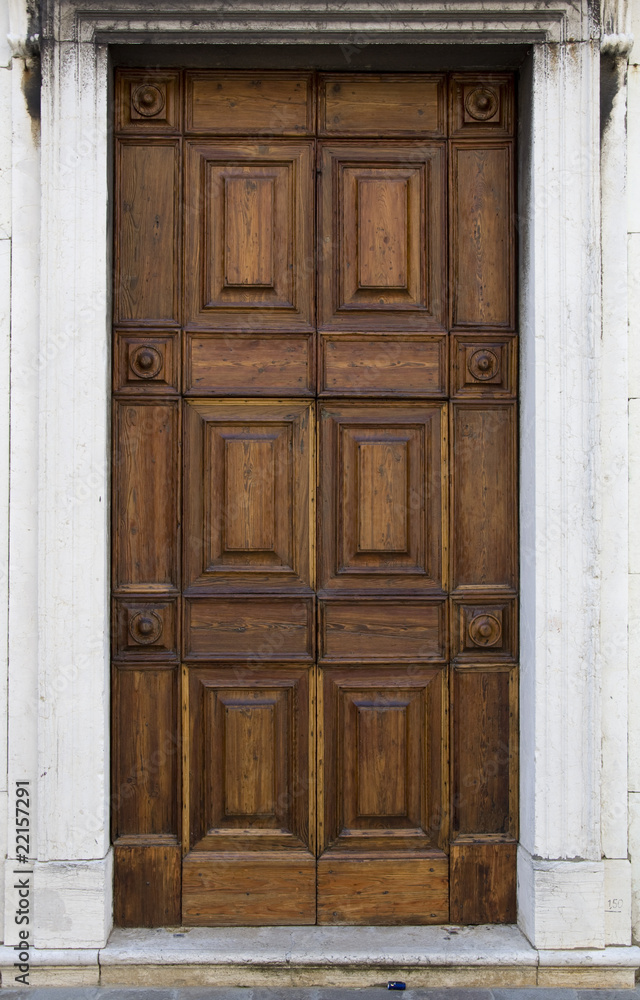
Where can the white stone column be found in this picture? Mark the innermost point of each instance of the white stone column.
(560, 869)
(73, 870)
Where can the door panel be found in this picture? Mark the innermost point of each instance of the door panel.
(249, 235)
(248, 495)
(381, 260)
(381, 470)
(291, 748)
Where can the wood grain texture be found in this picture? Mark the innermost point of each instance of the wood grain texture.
(483, 508)
(481, 232)
(222, 364)
(483, 883)
(251, 629)
(147, 885)
(381, 496)
(390, 365)
(248, 890)
(146, 738)
(147, 265)
(249, 244)
(248, 758)
(381, 218)
(365, 104)
(382, 753)
(369, 629)
(481, 744)
(146, 496)
(391, 889)
(249, 491)
(239, 103)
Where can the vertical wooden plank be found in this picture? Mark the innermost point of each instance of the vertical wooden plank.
(482, 244)
(147, 231)
(146, 496)
(146, 764)
(484, 508)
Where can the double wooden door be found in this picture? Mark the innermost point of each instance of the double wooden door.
(314, 499)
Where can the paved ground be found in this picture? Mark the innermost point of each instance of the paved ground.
(209, 993)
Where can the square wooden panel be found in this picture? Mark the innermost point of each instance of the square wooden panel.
(395, 104)
(220, 102)
(249, 364)
(482, 104)
(382, 744)
(145, 630)
(250, 629)
(147, 363)
(250, 765)
(370, 629)
(249, 235)
(249, 486)
(381, 469)
(483, 366)
(370, 364)
(485, 629)
(381, 242)
(148, 101)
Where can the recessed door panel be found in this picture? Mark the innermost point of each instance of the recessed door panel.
(248, 494)
(249, 232)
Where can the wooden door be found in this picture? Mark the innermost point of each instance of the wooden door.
(314, 499)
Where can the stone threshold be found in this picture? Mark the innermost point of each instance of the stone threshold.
(488, 956)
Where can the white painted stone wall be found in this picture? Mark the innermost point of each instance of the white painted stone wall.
(633, 242)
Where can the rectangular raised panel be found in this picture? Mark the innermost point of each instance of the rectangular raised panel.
(249, 235)
(392, 104)
(387, 889)
(249, 231)
(146, 496)
(483, 720)
(483, 533)
(146, 885)
(382, 364)
(381, 753)
(381, 512)
(482, 246)
(251, 629)
(248, 490)
(249, 736)
(382, 468)
(483, 883)
(382, 757)
(250, 103)
(382, 236)
(382, 629)
(236, 890)
(250, 479)
(146, 771)
(248, 754)
(146, 227)
(232, 364)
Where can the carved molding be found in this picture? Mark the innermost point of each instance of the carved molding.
(355, 22)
